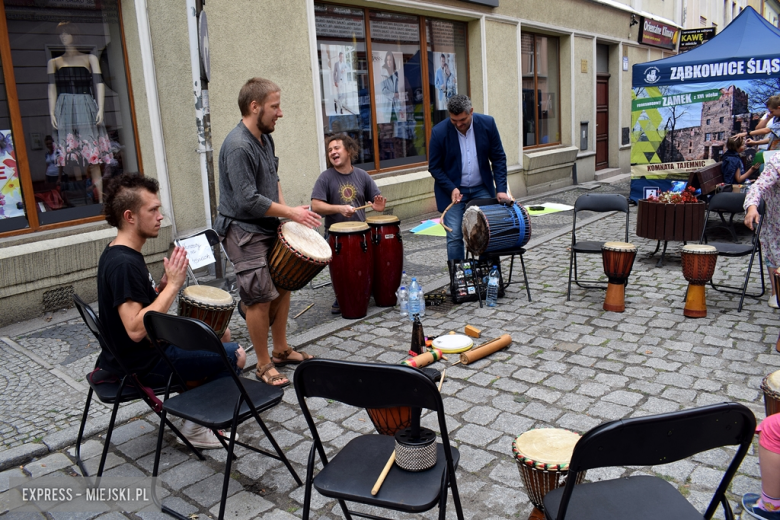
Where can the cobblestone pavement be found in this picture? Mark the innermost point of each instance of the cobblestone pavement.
(571, 365)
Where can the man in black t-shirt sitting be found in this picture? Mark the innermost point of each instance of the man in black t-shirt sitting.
(127, 291)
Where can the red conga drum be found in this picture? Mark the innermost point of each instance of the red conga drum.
(388, 252)
(698, 265)
(351, 268)
(618, 258)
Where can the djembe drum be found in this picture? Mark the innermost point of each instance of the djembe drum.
(388, 258)
(388, 421)
(496, 227)
(543, 457)
(618, 259)
(212, 306)
(351, 269)
(771, 388)
(698, 265)
(299, 255)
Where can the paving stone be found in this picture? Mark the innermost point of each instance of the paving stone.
(476, 435)
(243, 506)
(541, 412)
(186, 474)
(482, 415)
(47, 465)
(208, 491)
(609, 411)
(130, 431)
(472, 459)
(623, 397)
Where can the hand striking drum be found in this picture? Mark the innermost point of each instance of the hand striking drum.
(698, 265)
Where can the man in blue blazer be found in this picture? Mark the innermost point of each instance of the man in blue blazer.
(467, 162)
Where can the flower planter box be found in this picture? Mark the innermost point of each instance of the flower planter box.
(680, 222)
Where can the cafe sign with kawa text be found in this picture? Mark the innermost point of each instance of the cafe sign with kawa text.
(658, 34)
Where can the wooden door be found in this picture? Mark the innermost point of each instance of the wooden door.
(602, 122)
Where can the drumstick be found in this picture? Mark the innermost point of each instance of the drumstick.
(441, 220)
(364, 207)
(383, 475)
(441, 381)
(304, 310)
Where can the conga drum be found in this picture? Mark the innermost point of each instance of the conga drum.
(351, 268)
(698, 265)
(208, 304)
(618, 259)
(299, 255)
(771, 388)
(388, 255)
(496, 227)
(543, 457)
(777, 289)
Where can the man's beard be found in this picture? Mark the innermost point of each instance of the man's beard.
(260, 126)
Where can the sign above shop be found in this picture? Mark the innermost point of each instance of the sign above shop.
(658, 34)
(690, 38)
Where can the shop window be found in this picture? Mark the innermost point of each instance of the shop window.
(72, 129)
(541, 88)
(372, 70)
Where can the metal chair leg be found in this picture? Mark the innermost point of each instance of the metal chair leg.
(80, 436)
(571, 263)
(525, 279)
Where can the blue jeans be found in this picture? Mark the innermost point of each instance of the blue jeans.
(454, 220)
(192, 365)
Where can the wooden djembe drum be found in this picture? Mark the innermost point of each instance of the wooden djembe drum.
(698, 264)
(618, 258)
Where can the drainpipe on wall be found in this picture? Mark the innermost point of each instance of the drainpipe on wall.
(204, 147)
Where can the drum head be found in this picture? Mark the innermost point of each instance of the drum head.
(208, 295)
(453, 343)
(380, 220)
(346, 228)
(618, 246)
(546, 448)
(699, 249)
(773, 381)
(306, 241)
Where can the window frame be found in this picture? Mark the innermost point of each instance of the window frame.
(20, 144)
(421, 20)
(537, 139)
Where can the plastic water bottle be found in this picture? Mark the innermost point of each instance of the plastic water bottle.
(403, 301)
(414, 298)
(404, 279)
(492, 288)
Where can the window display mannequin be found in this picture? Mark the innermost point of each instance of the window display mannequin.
(76, 109)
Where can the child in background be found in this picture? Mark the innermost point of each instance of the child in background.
(731, 163)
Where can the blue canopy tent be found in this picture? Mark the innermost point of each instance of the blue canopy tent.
(746, 50)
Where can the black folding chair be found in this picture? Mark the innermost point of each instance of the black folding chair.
(124, 390)
(597, 203)
(649, 441)
(732, 203)
(495, 256)
(352, 472)
(219, 404)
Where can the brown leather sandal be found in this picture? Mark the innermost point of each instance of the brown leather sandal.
(262, 375)
(284, 357)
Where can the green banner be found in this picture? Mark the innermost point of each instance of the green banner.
(674, 100)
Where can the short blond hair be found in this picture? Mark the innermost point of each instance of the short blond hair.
(256, 89)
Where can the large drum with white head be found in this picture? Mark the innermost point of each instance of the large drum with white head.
(298, 256)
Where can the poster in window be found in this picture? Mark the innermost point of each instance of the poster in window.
(389, 87)
(10, 190)
(340, 91)
(445, 77)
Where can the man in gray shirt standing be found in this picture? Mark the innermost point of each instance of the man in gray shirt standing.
(250, 205)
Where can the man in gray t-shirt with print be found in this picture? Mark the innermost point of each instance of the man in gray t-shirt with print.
(342, 188)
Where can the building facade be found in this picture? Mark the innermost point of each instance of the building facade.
(555, 76)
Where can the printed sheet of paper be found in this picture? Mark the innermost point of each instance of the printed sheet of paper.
(198, 251)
